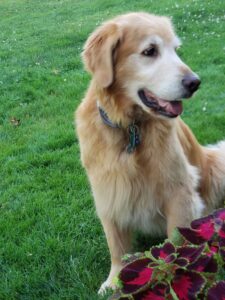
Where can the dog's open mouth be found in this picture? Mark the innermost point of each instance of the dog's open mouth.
(170, 109)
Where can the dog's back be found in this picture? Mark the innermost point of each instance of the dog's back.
(210, 160)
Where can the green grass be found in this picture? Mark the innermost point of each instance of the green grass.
(51, 243)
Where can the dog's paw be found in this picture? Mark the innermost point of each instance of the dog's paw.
(105, 286)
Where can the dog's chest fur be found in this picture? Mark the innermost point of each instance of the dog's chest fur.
(132, 188)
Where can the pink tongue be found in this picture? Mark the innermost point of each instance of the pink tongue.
(173, 107)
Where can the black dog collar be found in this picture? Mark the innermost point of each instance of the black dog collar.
(133, 131)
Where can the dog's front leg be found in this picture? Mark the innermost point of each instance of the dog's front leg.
(119, 244)
(183, 208)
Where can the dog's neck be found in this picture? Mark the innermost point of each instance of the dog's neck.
(133, 130)
(119, 110)
(122, 116)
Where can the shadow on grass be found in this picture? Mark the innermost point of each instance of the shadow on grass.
(143, 242)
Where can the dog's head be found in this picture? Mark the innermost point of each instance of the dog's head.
(136, 53)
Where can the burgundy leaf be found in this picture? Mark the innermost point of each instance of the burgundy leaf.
(204, 263)
(187, 284)
(171, 258)
(163, 252)
(222, 253)
(135, 275)
(157, 292)
(205, 226)
(217, 292)
(193, 236)
(181, 262)
(222, 243)
(189, 252)
(219, 214)
(198, 223)
(221, 232)
(213, 248)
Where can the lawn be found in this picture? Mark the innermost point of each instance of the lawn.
(51, 243)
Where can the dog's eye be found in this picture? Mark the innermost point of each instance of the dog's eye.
(151, 51)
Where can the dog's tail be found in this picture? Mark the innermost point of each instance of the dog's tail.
(216, 172)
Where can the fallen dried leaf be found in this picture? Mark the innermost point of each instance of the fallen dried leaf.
(15, 122)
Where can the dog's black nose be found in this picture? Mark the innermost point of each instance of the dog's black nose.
(191, 82)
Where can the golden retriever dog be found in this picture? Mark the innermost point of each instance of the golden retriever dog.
(146, 169)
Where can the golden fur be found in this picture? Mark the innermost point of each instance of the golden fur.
(169, 179)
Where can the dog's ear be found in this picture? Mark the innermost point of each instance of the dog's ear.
(99, 52)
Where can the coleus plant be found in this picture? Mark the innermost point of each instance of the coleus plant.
(191, 266)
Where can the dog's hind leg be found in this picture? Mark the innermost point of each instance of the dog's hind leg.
(119, 242)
